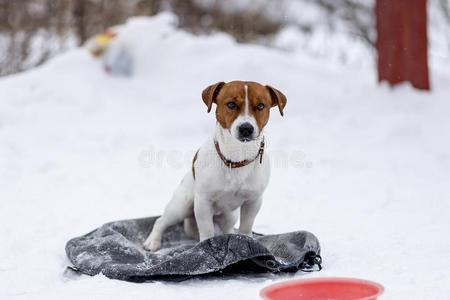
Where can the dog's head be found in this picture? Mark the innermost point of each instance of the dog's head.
(243, 107)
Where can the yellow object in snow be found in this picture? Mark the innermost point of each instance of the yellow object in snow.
(101, 42)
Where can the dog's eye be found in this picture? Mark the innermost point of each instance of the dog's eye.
(260, 106)
(231, 105)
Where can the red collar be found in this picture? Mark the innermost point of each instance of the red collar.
(238, 164)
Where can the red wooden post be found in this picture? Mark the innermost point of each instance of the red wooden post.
(402, 42)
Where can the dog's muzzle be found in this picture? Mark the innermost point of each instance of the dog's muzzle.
(246, 131)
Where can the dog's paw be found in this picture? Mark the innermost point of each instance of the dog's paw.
(247, 233)
(152, 245)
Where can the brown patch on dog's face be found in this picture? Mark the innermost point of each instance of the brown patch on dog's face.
(245, 101)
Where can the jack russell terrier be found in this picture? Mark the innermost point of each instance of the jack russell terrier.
(229, 174)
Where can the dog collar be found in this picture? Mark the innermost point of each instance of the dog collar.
(239, 164)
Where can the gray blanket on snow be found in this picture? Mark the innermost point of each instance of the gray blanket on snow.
(115, 250)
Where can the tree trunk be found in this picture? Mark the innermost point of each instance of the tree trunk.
(79, 15)
(402, 42)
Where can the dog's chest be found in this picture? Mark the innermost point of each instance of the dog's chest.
(234, 192)
(227, 201)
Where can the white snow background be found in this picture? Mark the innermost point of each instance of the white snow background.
(364, 167)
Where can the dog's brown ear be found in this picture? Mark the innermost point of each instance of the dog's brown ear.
(209, 94)
(278, 98)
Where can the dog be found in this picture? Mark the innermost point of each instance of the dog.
(229, 173)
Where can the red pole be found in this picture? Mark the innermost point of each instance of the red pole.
(402, 42)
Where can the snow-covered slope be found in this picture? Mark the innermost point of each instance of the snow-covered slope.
(364, 167)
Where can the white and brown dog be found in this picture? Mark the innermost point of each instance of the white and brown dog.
(228, 172)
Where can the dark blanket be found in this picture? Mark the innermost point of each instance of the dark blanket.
(115, 250)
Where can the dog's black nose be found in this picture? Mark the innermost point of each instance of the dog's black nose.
(246, 130)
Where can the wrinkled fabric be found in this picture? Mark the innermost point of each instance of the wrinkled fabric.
(115, 250)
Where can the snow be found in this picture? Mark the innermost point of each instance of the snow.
(364, 167)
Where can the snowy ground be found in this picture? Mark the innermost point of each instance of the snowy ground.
(364, 167)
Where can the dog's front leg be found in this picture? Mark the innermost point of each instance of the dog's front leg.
(249, 210)
(203, 211)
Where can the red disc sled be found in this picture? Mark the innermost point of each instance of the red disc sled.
(323, 289)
